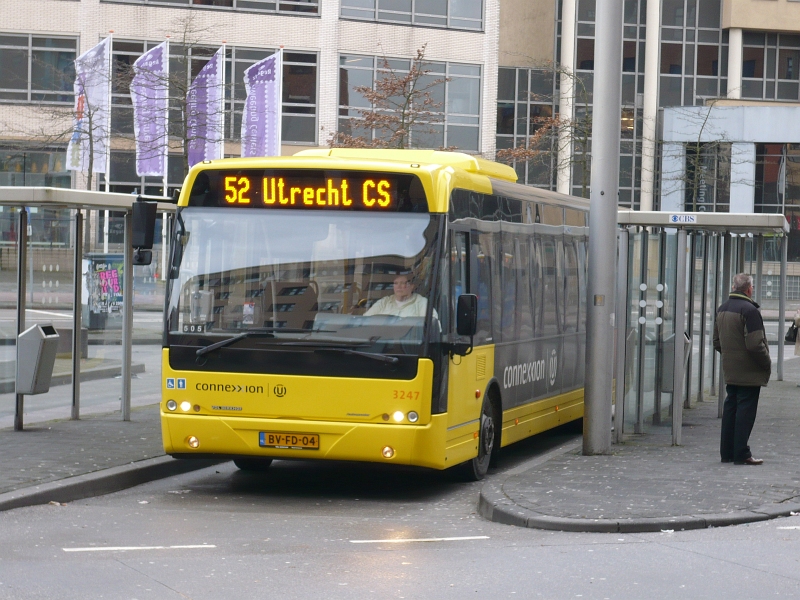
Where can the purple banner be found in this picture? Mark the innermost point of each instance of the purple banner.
(150, 96)
(261, 121)
(205, 111)
(90, 131)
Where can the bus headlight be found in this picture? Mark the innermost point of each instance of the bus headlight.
(387, 452)
(413, 417)
(186, 406)
(192, 442)
(171, 405)
(398, 416)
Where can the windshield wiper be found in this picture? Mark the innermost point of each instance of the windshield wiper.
(333, 343)
(261, 331)
(392, 360)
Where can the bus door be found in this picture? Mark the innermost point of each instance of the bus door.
(463, 406)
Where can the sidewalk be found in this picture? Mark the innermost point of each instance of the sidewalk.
(646, 484)
(66, 460)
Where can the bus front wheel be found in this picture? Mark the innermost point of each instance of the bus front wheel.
(253, 465)
(488, 441)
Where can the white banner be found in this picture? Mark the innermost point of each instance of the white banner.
(150, 97)
(261, 121)
(91, 129)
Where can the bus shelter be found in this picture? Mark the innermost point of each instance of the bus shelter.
(674, 270)
(106, 276)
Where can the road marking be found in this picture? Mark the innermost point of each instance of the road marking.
(792, 527)
(126, 548)
(406, 540)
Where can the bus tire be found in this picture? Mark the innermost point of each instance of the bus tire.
(253, 465)
(488, 442)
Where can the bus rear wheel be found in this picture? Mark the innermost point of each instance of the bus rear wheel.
(253, 465)
(488, 438)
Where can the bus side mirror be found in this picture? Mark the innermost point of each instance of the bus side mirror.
(144, 224)
(467, 315)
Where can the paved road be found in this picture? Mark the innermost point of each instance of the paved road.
(310, 530)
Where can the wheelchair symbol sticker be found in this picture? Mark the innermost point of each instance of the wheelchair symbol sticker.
(170, 383)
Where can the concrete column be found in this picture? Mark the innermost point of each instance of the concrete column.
(673, 166)
(603, 227)
(328, 103)
(650, 103)
(569, 20)
(743, 177)
(491, 52)
(735, 63)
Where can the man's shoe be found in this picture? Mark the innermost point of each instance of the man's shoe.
(750, 461)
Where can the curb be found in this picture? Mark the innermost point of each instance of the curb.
(8, 386)
(102, 482)
(495, 506)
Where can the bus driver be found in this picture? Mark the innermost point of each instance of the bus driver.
(403, 303)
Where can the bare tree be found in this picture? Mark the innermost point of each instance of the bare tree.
(558, 141)
(708, 166)
(188, 54)
(51, 124)
(402, 108)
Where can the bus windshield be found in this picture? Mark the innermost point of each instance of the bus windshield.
(356, 281)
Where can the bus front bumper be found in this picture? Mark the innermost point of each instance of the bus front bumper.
(420, 445)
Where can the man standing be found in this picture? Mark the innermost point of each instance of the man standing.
(739, 336)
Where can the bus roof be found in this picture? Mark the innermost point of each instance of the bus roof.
(459, 160)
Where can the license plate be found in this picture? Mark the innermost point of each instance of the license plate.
(293, 441)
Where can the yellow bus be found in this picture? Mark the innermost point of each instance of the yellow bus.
(392, 306)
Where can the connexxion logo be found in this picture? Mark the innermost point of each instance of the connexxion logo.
(229, 388)
(531, 372)
(523, 373)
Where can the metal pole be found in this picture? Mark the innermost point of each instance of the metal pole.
(703, 317)
(741, 246)
(725, 286)
(642, 325)
(127, 318)
(782, 304)
(30, 268)
(77, 338)
(621, 322)
(106, 221)
(603, 226)
(687, 399)
(715, 304)
(661, 289)
(22, 260)
(680, 328)
(759, 269)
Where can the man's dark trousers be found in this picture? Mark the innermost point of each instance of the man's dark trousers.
(738, 417)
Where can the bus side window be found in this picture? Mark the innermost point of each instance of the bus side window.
(524, 317)
(482, 284)
(459, 269)
(537, 286)
(508, 320)
(571, 268)
(549, 277)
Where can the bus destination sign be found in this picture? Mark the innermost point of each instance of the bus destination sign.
(309, 190)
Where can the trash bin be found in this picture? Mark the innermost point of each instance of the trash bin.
(36, 355)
